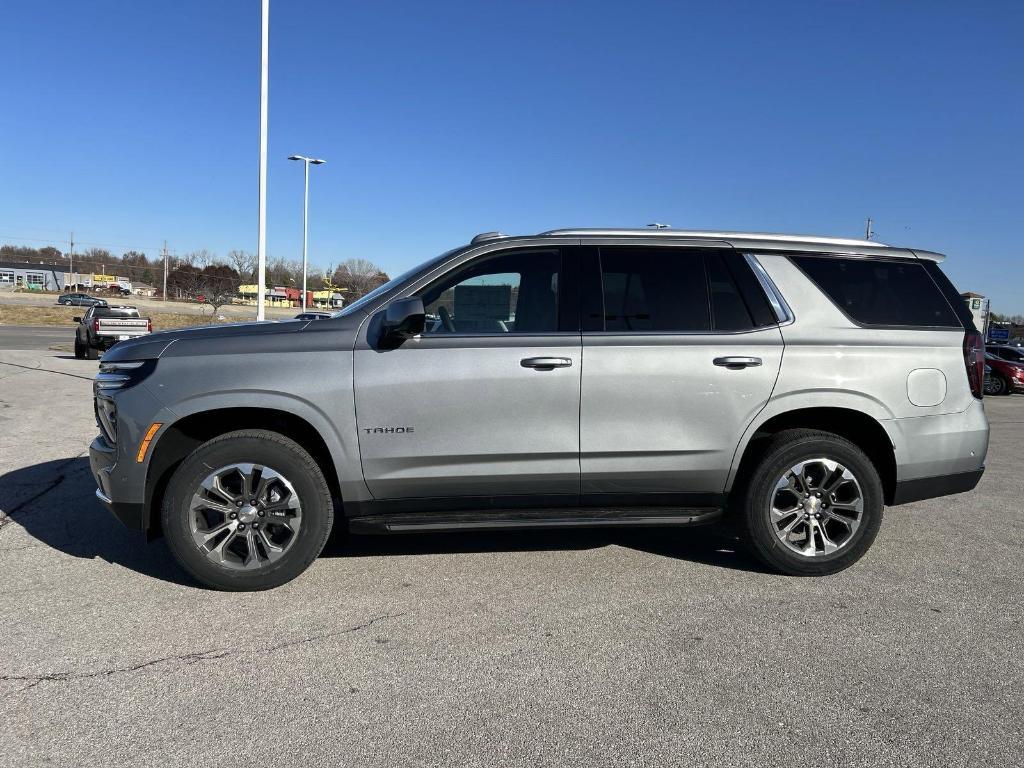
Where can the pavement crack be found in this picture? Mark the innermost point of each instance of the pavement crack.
(47, 370)
(185, 659)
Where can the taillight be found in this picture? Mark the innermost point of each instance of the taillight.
(95, 326)
(149, 325)
(974, 361)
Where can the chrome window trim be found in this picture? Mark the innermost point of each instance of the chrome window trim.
(775, 298)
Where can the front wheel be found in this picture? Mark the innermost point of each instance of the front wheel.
(813, 504)
(997, 386)
(248, 510)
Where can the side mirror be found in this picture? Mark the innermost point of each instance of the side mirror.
(76, 319)
(405, 317)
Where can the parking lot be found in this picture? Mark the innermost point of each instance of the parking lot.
(556, 648)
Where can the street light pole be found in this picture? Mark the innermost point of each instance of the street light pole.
(261, 238)
(306, 162)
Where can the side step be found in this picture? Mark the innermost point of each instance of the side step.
(527, 519)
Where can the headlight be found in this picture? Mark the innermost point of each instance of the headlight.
(106, 418)
(120, 375)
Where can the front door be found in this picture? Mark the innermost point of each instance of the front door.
(486, 401)
(681, 353)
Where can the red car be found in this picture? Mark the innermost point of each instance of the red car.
(1007, 376)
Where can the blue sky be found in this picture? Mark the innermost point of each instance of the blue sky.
(132, 122)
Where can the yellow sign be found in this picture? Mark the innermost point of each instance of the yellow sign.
(104, 279)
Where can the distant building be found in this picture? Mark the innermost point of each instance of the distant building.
(978, 305)
(141, 289)
(31, 277)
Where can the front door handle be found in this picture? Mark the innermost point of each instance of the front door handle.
(545, 363)
(736, 363)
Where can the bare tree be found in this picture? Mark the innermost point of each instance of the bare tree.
(201, 258)
(358, 277)
(244, 263)
(218, 285)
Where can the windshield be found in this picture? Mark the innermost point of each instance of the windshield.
(393, 283)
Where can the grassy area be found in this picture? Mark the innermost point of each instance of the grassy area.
(54, 315)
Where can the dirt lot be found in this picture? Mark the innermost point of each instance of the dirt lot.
(151, 307)
(62, 316)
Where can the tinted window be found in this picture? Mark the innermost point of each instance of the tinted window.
(875, 292)
(1013, 355)
(510, 293)
(654, 289)
(113, 312)
(728, 309)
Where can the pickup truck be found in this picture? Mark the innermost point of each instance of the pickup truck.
(104, 325)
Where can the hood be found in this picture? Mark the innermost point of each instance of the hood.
(154, 345)
(253, 338)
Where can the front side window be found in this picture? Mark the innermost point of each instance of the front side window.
(514, 292)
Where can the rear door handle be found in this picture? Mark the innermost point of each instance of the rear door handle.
(545, 363)
(735, 363)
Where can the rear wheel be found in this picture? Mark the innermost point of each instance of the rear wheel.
(813, 505)
(248, 510)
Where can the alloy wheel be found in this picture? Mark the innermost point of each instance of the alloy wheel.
(245, 516)
(816, 507)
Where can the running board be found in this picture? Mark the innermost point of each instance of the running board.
(522, 519)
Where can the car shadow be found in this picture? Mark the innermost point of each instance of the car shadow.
(54, 502)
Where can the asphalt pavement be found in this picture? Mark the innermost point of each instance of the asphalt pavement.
(508, 649)
(38, 337)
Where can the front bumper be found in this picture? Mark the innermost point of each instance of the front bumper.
(103, 462)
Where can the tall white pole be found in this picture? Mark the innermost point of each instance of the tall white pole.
(305, 234)
(261, 242)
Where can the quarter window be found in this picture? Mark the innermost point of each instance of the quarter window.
(514, 292)
(877, 292)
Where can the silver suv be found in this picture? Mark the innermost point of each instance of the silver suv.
(792, 385)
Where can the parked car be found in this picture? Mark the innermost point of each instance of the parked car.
(78, 300)
(103, 325)
(314, 315)
(790, 385)
(1007, 376)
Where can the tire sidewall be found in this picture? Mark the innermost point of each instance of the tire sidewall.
(291, 462)
(762, 485)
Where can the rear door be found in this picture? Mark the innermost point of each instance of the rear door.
(486, 401)
(681, 350)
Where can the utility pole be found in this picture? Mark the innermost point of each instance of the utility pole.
(868, 234)
(71, 260)
(165, 270)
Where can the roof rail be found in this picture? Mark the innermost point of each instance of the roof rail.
(713, 234)
(483, 237)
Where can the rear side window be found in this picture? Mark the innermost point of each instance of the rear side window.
(654, 289)
(877, 292)
(677, 290)
(114, 312)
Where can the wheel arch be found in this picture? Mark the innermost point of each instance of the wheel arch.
(180, 438)
(861, 429)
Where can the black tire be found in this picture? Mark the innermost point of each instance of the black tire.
(91, 353)
(255, 446)
(1000, 386)
(786, 450)
(79, 350)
